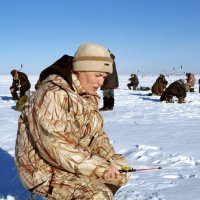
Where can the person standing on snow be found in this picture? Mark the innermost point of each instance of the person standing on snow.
(199, 85)
(110, 83)
(62, 151)
(190, 82)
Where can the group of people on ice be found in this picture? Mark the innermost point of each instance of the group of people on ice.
(178, 88)
(20, 88)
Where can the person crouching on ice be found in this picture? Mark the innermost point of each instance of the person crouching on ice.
(134, 82)
(20, 88)
(177, 89)
(159, 86)
(62, 151)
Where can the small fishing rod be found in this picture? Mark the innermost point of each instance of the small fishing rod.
(128, 169)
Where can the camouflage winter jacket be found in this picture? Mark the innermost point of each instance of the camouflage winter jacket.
(60, 133)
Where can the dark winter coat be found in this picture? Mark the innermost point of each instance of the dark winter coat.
(111, 81)
(134, 80)
(22, 81)
(159, 86)
(176, 89)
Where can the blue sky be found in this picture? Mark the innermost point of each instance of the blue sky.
(146, 36)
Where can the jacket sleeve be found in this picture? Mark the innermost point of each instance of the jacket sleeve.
(24, 82)
(58, 142)
(14, 85)
(103, 146)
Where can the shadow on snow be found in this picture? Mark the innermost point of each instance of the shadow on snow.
(6, 98)
(9, 179)
(146, 97)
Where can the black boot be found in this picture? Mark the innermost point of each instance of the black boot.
(111, 103)
(105, 104)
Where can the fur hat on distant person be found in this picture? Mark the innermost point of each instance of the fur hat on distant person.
(93, 57)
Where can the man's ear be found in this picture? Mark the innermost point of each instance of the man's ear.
(77, 74)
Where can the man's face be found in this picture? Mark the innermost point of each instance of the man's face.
(91, 81)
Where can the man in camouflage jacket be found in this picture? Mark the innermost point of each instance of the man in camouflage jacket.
(62, 151)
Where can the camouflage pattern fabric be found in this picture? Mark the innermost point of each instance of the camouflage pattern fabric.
(62, 151)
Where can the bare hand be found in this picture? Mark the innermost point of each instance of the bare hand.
(111, 173)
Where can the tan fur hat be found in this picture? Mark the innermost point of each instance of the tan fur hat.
(92, 57)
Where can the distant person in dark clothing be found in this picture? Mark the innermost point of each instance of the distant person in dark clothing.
(176, 89)
(20, 83)
(110, 83)
(159, 86)
(134, 82)
(199, 85)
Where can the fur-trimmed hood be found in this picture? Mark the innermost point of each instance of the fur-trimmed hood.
(62, 67)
